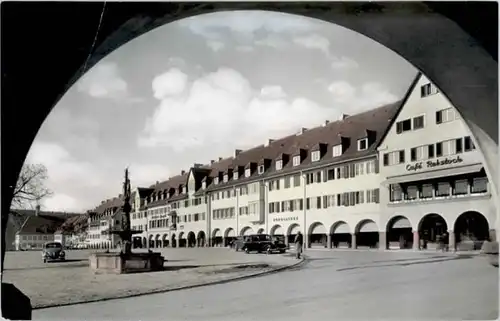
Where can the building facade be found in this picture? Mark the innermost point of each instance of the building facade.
(391, 177)
(434, 182)
(101, 220)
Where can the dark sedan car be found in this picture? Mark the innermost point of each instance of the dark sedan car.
(263, 243)
(53, 251)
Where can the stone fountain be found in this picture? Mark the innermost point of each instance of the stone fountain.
(126, 261)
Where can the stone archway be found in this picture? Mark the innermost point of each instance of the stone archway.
(229, 236)
(260, 231)
(291, 232)
(191, 239)
(247, 230)
(144, 242)
(367, 234)
(317, 235)
(277, 230)
(151, 241)
(201, 239)
(430, 229)
(341, 235)
(164, 240)
(173, 240)
(217, 238)
(471, 229)
(399, 233)
(157, 241)
(182, 240)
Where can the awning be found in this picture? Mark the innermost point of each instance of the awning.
(368, 227)
(402, 222)
(216, 233)
(278, 230)
(433, 174)
(230, 233)
(294, 230)
(319, 229)
(342, 228)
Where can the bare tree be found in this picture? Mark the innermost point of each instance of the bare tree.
(30, 188)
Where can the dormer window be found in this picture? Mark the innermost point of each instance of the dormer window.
(204, 185)
(226, 178)
(337, 150)
(216, 180)
(363, 144)
(184, 189)
(247, 172)
(296, 160)
(315, 155)
(260, 169)
(235, 175)
(279, 165)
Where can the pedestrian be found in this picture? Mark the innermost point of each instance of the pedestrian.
(299, 242)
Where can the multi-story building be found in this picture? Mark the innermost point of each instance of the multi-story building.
(105, 217)
(375, 179)
(433, 176)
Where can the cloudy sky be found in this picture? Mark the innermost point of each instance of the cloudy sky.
(196, 89)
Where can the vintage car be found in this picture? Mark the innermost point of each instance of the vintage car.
(53, 251)
(263, 243)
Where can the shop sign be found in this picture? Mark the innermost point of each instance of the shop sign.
(434, 163)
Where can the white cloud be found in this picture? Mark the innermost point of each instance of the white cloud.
(371, 95)
(272, 40)
(314, 41)
(103, 81)
(272, 92)
(222, 109)
(245, 48)
(176, 62)
(172, 82)
(344, 63)
(248, 22)
(62, 202)
(215, 45)
(147, 174)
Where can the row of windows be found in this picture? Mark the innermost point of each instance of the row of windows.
(337, 150)
(223, 213)
(428, 89)
(35, 237)
(440, 149)
(418, 122)
(440, 189)
(289, 181)
(140, 227)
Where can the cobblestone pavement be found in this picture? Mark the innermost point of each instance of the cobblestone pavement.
(331, 285)
(49, 284)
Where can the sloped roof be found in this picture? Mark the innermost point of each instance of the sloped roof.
(41, 225)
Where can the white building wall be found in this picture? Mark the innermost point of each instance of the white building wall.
(431, 133)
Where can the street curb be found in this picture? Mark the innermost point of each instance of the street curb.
(186, 287)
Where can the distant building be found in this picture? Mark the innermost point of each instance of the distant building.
(29, 228)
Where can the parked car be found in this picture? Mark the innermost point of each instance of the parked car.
(53, 251)
(263, 243)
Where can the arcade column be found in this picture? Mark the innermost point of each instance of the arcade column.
(416, 240)
(353, 241)
(382, 240)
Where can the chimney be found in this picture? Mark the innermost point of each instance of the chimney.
(183, 172)
(268, 142)
(196, 165)
(326, 123)
(37, 210)
(302, 130)
(220, 158)
(237, 152)
(343, 116)
(212, 161)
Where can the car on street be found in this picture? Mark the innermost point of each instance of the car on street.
(263, 243)
(53, 251)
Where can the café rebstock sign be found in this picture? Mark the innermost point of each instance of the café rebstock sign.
(434, 163)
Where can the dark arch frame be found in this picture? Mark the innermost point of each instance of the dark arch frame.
(476, 56)
(483, 230)
(403, 236)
